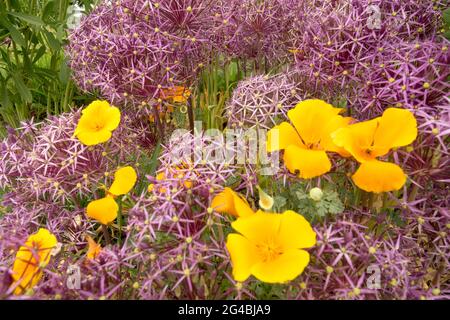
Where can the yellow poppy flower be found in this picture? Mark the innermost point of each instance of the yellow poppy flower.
(31, 258)
(105, 210)
(368, 140)
(97, 122)
(124, 180)
(232, 203)
(306, 141)
(269, 246)
(94, 249)
(177, 94)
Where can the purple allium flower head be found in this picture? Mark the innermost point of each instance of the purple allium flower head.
(350, 261)
(252, 29)
(261, 102)
(173, 225)
(336, 41)
(411, 75)
(131, 50)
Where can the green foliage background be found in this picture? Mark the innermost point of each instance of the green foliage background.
(34, 77)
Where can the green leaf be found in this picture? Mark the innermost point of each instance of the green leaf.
(446, 17)
(154, 159)
(14, 33)
(23, 90)
(54, 44)
(5, 56)
(64, 72)
(33, 20)
(48, 10)
(447, 34)
(4, 95)
(39, 54)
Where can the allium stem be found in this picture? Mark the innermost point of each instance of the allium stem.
(106, 234)
(158, 123)
(190, 115)
(413, 193)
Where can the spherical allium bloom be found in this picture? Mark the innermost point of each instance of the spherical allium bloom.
(350, 261)
(261, 102)
(411, 75)
(46, 162)
(132, 50)
(252, 29)
(335, 41)
(173, 223)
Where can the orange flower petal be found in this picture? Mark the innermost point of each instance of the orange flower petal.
(377, 176)
(31, 258)
(309, 118)
(357, 139)
(310, 163)
(295, 231)
(94, 249)
(103, 210)
(397, 128)
(281, 136)
(286, 267)
(243, 255)
(232, 203)
(124, 180)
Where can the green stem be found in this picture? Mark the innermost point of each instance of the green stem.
(119, 221)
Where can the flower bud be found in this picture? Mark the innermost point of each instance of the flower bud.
(316, 194)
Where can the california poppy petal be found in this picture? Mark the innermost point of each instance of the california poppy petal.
(295, 231)
(94, 249)
(357, 139)
(89, 139)
(224, 203)
(310, 163)
(286, 267)
(309, 117)
(96, 123)
(103, 210)
(112, 118)
(329, 127)
(377, 176)
(124, 180)
(243, 255)
(232, 203)
(281, 136)
(398, 127)
(258, 227)
(31, 258)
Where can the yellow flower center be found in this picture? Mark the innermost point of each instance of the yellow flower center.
(269, 250)
(97, 126)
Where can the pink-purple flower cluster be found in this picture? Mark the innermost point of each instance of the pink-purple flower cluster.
(131, 50)
(261, 102)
